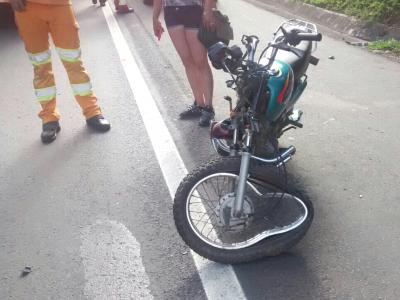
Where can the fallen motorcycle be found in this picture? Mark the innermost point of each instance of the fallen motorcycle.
(238, 208)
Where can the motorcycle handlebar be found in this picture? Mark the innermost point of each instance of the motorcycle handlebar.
(304, 36)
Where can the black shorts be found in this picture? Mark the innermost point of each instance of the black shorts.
(187, 16)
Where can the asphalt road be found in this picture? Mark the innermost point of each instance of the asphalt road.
(78, 210)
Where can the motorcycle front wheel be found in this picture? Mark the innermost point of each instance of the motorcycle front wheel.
(273, 219)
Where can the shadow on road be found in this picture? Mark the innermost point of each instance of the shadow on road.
(283, 277)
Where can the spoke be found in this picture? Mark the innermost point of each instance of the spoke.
(206, 192)
(197, 212)
(215, 189)
(204, 200)
(201, 220)
(198, 197)
(207, 197)
(196, 220)
(226, 179)
(203, 227)
(211, 230)
(209, 206)
(219, 194)
(198, 225)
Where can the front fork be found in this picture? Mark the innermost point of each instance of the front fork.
(242, 180)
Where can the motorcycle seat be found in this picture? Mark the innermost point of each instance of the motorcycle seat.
(299, 63)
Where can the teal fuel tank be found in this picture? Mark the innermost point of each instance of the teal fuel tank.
(280, 86)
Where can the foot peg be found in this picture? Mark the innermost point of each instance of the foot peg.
(295, 117)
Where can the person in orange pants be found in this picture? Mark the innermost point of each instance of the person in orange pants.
(36, 19)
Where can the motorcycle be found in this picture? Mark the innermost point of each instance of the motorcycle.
(238, 207)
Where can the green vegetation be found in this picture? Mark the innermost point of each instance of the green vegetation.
(384, 11)
(392, 45)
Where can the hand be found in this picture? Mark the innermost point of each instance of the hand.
(158, 29)
(209, 20)
(18, 5)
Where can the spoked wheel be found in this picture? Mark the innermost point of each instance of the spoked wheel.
(272, 220)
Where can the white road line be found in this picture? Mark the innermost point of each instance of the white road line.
(219, 281)
(112, 262)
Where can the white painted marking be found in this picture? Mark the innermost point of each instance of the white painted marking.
(219, 281)
(112, 262)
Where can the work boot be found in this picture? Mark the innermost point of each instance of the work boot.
(207, 115)
(98, 123)
(122, 8)
(49, 131)
(191, 112)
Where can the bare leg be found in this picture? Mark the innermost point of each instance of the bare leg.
(199, 54)
(178, 37)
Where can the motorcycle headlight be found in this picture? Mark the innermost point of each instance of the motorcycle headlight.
(217, 53)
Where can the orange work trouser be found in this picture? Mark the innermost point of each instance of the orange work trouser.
(35, 24)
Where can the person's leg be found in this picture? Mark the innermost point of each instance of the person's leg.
(64, 31)
(34, 32)
(178, 37)
(205, 83)
(199, 54)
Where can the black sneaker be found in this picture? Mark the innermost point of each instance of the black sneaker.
(191, 112)
(207, 115)
(49, 132)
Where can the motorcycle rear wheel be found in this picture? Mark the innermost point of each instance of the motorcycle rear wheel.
(270, 246)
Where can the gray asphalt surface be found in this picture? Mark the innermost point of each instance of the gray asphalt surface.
(347, 161)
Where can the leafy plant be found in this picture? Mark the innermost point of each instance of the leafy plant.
(391, 45)
(385, 11)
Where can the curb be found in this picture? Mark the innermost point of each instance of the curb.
(335, 21)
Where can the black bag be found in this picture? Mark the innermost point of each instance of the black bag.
(223, 31)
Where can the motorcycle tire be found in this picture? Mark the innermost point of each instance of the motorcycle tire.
(270, 246)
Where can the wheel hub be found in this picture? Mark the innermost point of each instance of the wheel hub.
(224, 211)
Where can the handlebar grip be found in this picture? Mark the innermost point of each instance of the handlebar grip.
(309, 36)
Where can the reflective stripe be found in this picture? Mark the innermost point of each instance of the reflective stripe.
(82, 89)
(70, 55)
(40, 58)
(46, 94)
